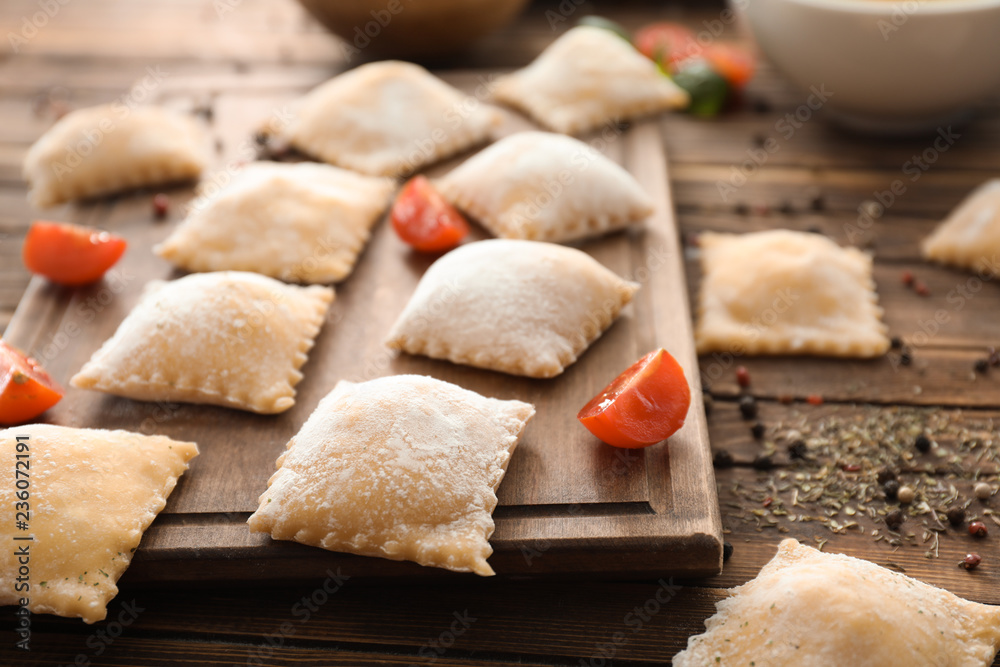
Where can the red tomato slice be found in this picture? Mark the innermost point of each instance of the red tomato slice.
(26, 390)
(667, 43)
(642, 406)
(70, 254)
(424, 220)
(736, 65)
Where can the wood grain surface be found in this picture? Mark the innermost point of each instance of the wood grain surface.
(820, 176)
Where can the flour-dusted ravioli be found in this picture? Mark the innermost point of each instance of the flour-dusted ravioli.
(546, 187)
(303, 222)
(104, 149)
(811, 609)
(586, 78)
(228, 338)
(403, 467)
(520, 307)
(785, 292)
(92, 495)
(386, 119)
(970, 237)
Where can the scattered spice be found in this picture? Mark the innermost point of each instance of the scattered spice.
(742, 376)
(748, 407)
(921, 289)
(923, 444)
(813, 487)
(981, 365)
(886, 474)
(727, 551)
(978, 529)
(907, 278)
(851, 467)
(757, 431)
(161, 205)
(767, 501)
(971, 561)
(786, 399)
(906, 495)
(906, 357)
(797, 450)
(722, 459)
(891, 489)
(814, 399)
(982, 490)
(764, 462)
(817, 203)
(896, 343)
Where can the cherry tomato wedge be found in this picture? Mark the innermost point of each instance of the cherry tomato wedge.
(736, 65)
(26, 390)
(667, 44)
(423, 219)
(642, 406)
(70, 254)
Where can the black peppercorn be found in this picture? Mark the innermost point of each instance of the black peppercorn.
(923, 444)
(894, 519)
(727, 551)
(885, 474)
(891, 489)
(982, 365)
(798, 449)
(757, 430)
(956, 516)
(722, 459)
(763, 462)
(905, 357)
(896, 343)
(748, 407)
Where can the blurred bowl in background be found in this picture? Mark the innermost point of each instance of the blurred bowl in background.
(890, 66)
(412, 29)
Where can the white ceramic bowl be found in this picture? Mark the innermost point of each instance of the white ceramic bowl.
(891, 65)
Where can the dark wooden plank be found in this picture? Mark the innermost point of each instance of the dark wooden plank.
(640, 622)
(701, 186)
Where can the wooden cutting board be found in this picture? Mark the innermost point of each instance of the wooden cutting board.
(569, 504)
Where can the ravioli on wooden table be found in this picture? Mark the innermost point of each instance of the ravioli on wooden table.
(105, 149)
(92, 494)
(227, 338)
(403, 467)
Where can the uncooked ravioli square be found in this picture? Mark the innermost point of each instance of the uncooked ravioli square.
(786, 292)
(92, 494)
(403, 467)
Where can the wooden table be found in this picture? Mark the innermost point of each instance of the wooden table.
(93, 50)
